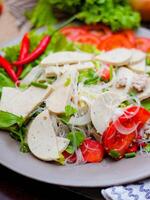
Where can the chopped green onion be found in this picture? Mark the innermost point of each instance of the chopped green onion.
(147, 148)
(111, 72)
(67, 82)
(148, 59)
(40, 85)
(25, 71)
(130, 155)
(114, 154)
(51, 80)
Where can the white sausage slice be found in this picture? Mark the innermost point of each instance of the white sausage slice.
(103, 109)
(66, 57)
(137, 56)
(22, 103)
(117, 57)
(41, 138)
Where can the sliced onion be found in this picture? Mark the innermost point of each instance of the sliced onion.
(122, 129)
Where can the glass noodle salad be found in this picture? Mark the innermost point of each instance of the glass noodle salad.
(73, 104)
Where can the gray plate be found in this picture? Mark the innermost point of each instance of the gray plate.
(90, 175)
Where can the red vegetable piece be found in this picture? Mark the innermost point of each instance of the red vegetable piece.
(36, 53)
(143, 44)
(9, 69)
(25, 46)
(115, 41)
(70, 158)
(92, 151)
(119, 143)
(105, 74)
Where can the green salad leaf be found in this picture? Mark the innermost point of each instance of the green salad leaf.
(9, 121)
(89, 77)
(146, 104)
(14, 124)
(69, 112)
(5, 81)
(76, 139)
(118, 14)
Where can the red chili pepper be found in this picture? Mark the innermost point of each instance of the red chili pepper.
(1, 8)
(9, 69)
(117, 144)
(25, 45)
(92, 151)
(36, 53)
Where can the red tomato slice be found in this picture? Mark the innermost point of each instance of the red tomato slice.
(87, 38)
(99, 30)
(92, 151)
(130, 36)
(117, 142)
(73, 31)
(105, 74)
(143, 44)
(115, 41)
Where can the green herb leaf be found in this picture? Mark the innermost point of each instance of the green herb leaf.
(9, 121)
(69, 112)
(76, 139)
(89, 77)
(146, 104)
(5, 81)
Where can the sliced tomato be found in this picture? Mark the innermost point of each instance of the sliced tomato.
(70, 158)
(130, 36)
(71, 32)
(105, 74)
(115, 41)
(143, 44)
(92, 151)
(100, 30)
(116, 143)
(87, 38)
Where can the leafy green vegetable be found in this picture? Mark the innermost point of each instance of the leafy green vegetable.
(11, 52)
(46, 16)
(9, 121)
(5, 81)
(76, 139)
(146, 104)
(14, 125)
(116, 13)
(89, 77)
(69, 112)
